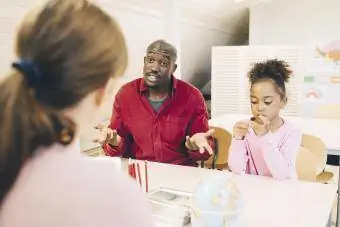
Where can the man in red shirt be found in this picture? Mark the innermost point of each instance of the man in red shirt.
(158, 117)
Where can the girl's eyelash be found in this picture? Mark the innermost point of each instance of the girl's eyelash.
(267, 103)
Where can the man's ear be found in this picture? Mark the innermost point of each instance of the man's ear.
(174, 69)
(144, 59)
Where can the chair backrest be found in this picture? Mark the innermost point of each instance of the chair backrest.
(223, 140)
(318, 148)
(306, 163)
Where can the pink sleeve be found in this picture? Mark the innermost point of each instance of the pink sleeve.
(238, 158)
(281, 158)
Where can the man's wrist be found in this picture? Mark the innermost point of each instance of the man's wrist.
(114, 142)
(188, 148)
(112, 145)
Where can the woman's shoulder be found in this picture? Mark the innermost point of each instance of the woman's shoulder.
(81, 191)
(110, 191)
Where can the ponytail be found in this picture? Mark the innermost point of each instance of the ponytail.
(25, 125)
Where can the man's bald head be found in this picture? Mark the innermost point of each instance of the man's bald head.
(159, 65)
(163, 47)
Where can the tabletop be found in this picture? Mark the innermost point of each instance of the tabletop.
(267, 202)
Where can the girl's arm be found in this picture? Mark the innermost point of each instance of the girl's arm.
(238, 158)
(281, 158)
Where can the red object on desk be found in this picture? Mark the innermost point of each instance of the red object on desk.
(134, 168)
(146, 176)
(131, 169)
(139, 176)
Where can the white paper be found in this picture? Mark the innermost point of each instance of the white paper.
(115, 161)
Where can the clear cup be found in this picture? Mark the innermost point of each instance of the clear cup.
(169, 215)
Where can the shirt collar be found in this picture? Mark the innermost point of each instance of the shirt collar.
(143, 88)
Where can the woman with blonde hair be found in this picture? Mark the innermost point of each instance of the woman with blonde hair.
(67, 52)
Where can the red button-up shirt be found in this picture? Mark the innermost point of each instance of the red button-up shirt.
(158, 136)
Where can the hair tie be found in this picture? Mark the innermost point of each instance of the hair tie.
(29, 70)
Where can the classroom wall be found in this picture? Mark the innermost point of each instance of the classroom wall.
(141, 24)
(196, 37)
(310, 23)
(285, 22)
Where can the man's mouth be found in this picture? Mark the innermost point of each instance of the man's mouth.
(152, 77)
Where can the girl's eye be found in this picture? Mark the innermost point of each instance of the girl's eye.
(267, 103)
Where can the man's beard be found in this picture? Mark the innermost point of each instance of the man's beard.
(158, 86)
(151, 86)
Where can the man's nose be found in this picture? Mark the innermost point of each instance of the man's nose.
(155, 66)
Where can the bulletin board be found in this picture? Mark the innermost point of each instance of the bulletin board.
(320, 96)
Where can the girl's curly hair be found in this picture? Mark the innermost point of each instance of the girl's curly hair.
(277, 71)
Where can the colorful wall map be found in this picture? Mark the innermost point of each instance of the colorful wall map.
(321, 82)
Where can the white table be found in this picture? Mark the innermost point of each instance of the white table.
(268, 202)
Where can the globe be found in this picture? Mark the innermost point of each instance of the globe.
(216, 202)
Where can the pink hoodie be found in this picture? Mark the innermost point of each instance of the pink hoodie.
(60, 188)
(272, 155)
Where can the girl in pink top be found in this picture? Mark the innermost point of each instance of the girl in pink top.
(266, 145)
(67, 51)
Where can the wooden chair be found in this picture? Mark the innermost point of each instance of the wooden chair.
(316, 146)
(306, 163)
(222, 140)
